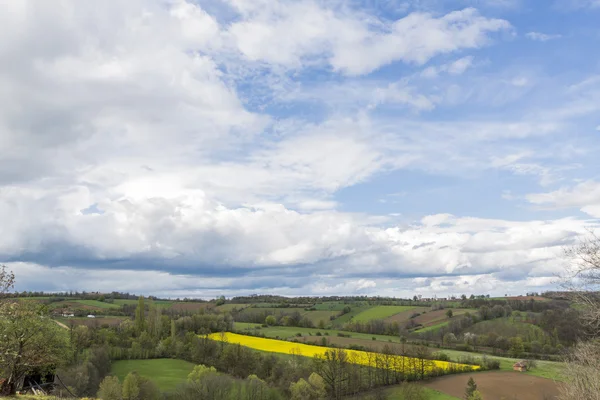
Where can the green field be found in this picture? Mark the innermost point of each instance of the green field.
(165, 372)
(380, 312)
(355, 310)
(229, 307)
(288, 332)
(96, 303)
(433, 327)
(160, 303)
(331, 306)
(545, 369)
(508, 327)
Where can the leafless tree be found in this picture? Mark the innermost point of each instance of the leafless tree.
(582, 371)
(583, 280)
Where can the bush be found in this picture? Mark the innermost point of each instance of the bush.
(318, 333)
(441, 356)
(373, 338)
(110, 389)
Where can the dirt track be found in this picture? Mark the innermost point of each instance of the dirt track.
(498, 385)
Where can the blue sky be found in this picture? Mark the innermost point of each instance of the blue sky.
(199, 148)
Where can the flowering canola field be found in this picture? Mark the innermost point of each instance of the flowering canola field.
(376, 360)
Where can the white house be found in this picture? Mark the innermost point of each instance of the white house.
(91, 316)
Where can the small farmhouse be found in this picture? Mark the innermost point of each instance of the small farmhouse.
(520, 366)
(91, 316)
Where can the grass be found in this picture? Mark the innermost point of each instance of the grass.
(230, 307)
(432, 327)
(509, 327)
(96, 303)
(545, 369)
(354, 310)
(331, 306)
(380, 312)
(288, 332)
(160, 303)
(166, 373)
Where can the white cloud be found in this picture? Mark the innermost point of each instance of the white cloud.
(456, 67)
(542, 37)
(291, 34)
(584, 195)
(137, 138)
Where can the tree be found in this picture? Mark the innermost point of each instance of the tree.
(199, 371)
(30, 339)
(7, 279)
(314, 389)
(110, 389)
(140, 316)
(582, 373)
(471, 388)
(332, 366)
(270, 320)
(583, 279)
(476, 395)
(449, 313)
(582, 369)
(131, 387)
(516, 346)
(449, 338)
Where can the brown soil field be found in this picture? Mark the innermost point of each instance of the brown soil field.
(188, 306)
(498, 385)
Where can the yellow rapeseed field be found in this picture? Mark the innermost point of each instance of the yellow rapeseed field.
(395, 362)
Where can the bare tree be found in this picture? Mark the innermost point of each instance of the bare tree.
(583, 280)
(582, 370)
(582, 373)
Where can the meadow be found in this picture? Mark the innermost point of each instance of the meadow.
(380, 312)
(354, 356)
(167, 373)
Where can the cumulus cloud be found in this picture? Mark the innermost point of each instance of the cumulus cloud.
(290, 34)
(190, 152)
(584, 195)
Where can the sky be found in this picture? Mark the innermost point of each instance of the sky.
(380, 147)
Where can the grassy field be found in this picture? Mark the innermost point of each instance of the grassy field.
(288, 332)
(96, 303)
(165, 372)
(433, 327)
(380, 312)
(508, 327)
(331, 306)
(355, 310)
(230, 307)
(159, 303)
(545, 369)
